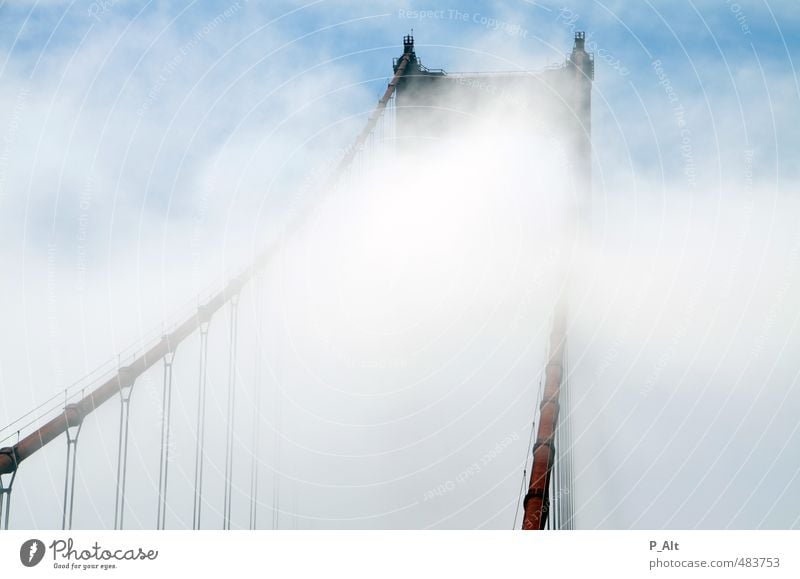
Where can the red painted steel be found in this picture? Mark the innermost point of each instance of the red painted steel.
(377, 111)
(537, 499)
(126, 375)
(58, 425)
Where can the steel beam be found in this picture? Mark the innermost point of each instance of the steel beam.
(537, 499)
(58, 425)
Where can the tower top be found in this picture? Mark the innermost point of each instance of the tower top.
(408, 44)
(581, 59)
(580, 41)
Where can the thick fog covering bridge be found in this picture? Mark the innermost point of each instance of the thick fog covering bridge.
(415, 109)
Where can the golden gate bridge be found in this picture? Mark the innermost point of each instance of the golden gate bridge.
(417, 106)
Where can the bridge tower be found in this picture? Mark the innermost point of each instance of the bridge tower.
(432, 105)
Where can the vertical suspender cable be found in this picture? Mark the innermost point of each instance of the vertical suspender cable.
(6, 487)
(234, 308)
(294, 504)
(554, 503)
(570, 447)
(199, 451)
(74, 421)
(564, 448)
(399, 71)
(563, 473)
(126, 382)
(559, 479)
(528, 454)
(521, 491)
(276, 454)
(257, 289)
(166, 412)
(537, 498)
(566, 492)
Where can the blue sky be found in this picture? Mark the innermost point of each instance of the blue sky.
(717, 55)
